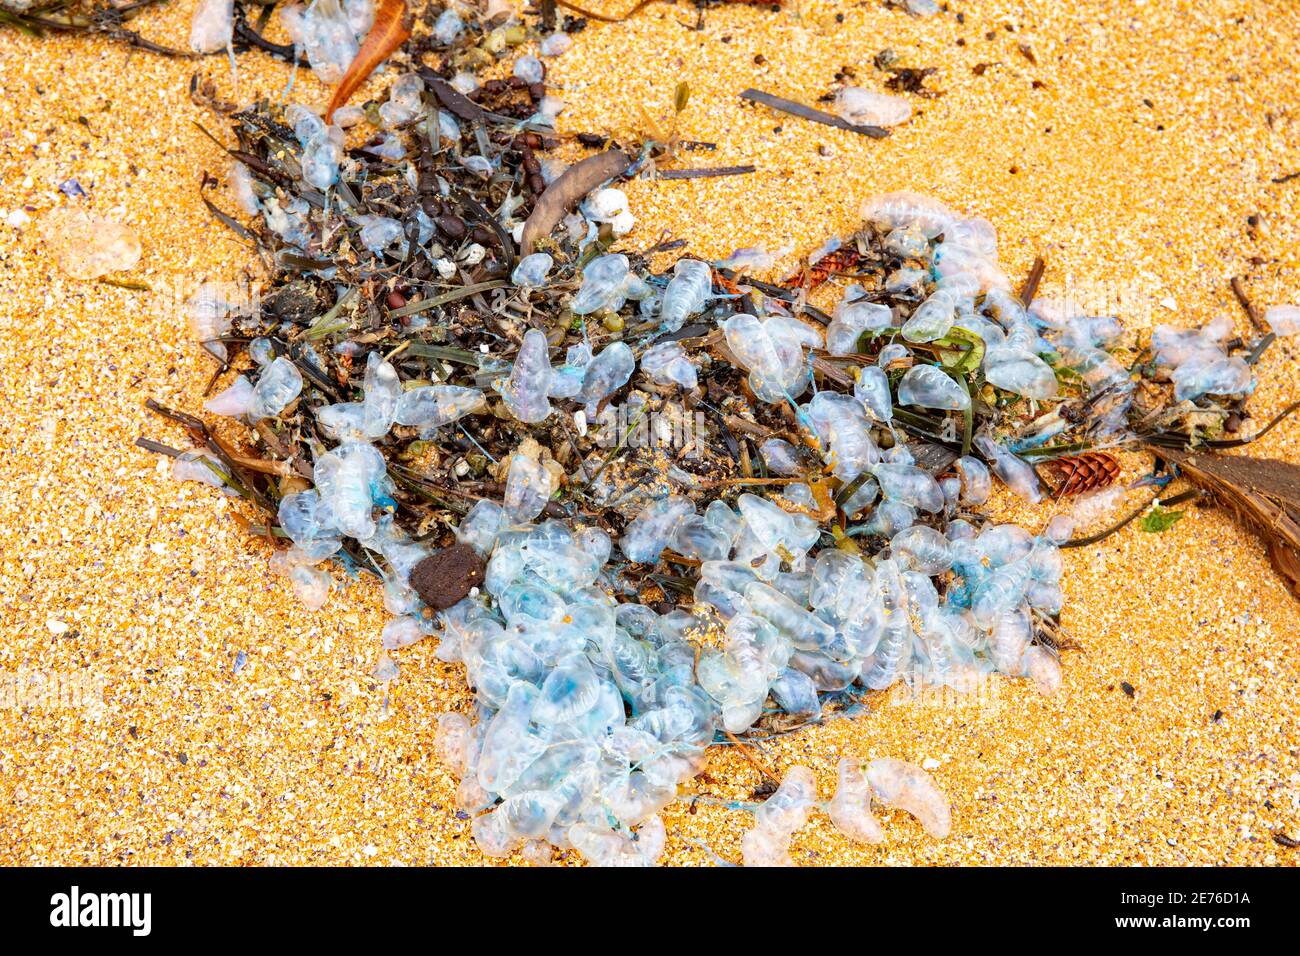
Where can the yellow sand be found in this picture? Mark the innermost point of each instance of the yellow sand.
(111, 571)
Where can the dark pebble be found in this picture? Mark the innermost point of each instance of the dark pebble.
(453, 227)
(447, 576)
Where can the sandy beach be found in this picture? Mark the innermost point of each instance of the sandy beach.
(1136, 145)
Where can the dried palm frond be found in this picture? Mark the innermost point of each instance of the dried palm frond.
(1263, 493)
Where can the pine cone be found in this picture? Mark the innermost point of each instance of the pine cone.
(1080, 473)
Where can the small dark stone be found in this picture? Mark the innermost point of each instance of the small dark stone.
(295, 303)
(1126, 687)
(453, 227)
(447, 576)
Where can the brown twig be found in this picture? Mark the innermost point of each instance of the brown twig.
(731, 482)
(707, 172)
(1239, 290)
(200, 432)
(158, 448)
(753, 761)
(783, 105)
(1030, 288)
(603, 18)
(672, 557)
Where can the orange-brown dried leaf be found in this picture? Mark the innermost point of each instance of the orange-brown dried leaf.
(821, 492)
(388, 33)
(726, 285)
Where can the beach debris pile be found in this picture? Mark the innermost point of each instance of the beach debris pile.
(649, 511)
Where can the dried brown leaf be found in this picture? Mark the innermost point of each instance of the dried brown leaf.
(388, 33)
(571, 186)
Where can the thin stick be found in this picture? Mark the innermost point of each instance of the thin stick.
(1177, 499)
(158, 448)
(708, 172)
(603, 18)
(731, 482)
(672, 557)
(1238, 442)
(1239, 291)
(1030, 288)
(754, 761)
(807, 112)
(199, 431)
